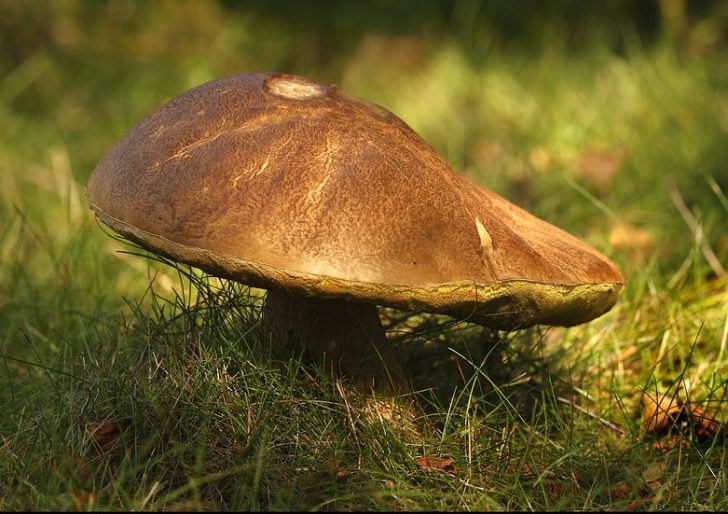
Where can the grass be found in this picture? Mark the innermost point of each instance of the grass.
(128, 383)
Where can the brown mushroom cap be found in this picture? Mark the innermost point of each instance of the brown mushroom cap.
(278, 181)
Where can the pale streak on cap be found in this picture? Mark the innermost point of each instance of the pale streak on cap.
(278, 181)
(293, 87)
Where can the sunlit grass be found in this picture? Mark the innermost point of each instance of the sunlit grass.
(131, 384)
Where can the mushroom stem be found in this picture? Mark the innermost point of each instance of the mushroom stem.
(346, 336)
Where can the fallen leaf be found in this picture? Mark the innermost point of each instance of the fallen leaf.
(83, 501)
(554, 490)
(620, 491)
(430, 464)
(599, 167)
(630, 239)
(660, 412)
(705, 422)
(486, 152)
(105, 434)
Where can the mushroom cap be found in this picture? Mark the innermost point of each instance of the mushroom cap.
(278, 181)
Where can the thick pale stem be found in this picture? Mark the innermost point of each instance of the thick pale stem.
(346, 336)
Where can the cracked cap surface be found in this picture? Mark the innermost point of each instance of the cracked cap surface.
(278, 181)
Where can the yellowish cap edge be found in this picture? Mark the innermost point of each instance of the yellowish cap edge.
(505, 305)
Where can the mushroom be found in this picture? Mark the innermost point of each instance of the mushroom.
(336, 206)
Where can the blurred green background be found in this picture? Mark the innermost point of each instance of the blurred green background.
(548, 103)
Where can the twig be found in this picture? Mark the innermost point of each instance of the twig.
(697, 230)
(619, 430)
(348, 409)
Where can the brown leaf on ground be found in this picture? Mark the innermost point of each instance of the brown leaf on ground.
(631, 239)
(432, 464)
(83, 501)
(485, 152)
(660, 412)
(554, 490)
(106, 435)
(705, 422)
(620, 491)
(600, 168)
